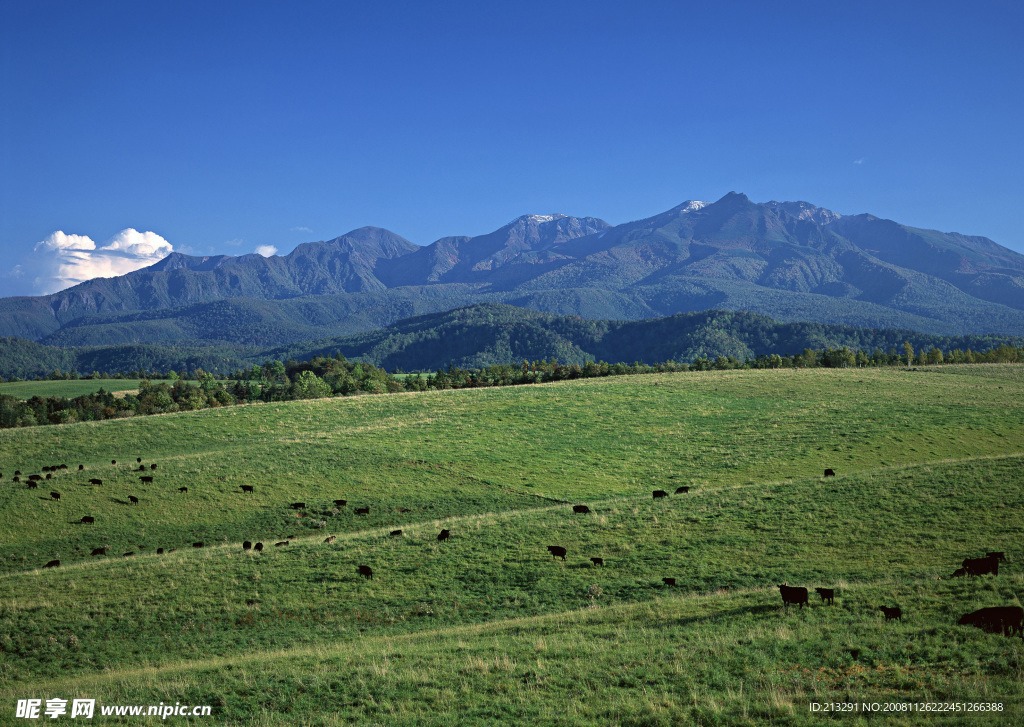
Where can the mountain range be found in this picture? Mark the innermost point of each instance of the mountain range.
(792, 261)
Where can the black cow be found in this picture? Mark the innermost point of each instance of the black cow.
(395, 533)
(146, 478)
(18, 479)
(794, 594)
(830, 473)
(996, 620)
(142, 468)
(182, 489)
(17, 472)
(298, 506)
(258, 547)
(133, 499)
(827, 594)
(557, 551)
(197, 545)
(246, 545)
(582, 509)
(597, 561)
(130, 553)
(998, 555)
(49, 476)
(95, 481)
(88, 519)
(330, 538)
(959, 573)
(152, 466)
(52, 564)
(669, 581)
(981, 566)
(99, 551)
(32, 485)
(444, 535)
(159, 551)
(35, 478)
(365, 571)
(891, 613)
(279, 544)
(81, 467)
(659, 493)
(341, 503)
(138, 459)
(246, 488)
(362, 511)
(682, 490)
(114, 461)
(55, 495)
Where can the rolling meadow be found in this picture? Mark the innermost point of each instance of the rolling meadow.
(487, 627)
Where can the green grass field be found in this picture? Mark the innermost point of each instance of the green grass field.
(488, 628)
(25, 390)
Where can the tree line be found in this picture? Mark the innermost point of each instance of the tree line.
(325, 376)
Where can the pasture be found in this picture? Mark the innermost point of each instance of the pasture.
(70, 389)
(487, 627)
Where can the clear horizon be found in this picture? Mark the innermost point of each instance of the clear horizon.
(129, 130)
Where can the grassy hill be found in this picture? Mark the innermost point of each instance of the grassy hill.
(488, 627)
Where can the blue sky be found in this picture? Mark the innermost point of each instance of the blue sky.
(221, 127)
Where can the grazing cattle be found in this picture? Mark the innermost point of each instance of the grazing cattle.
(444, 535)
(32, 485)
(597, 561)
(142, 468)
(52, 564)
(133, 499)
(659, 493)
(17, 472)
(99, 551)
(197, 545)
(998, 555)
(146, 478)
(959, 573)
(830, 473)
(246, 545)
(113, 461)
(258, 547)
(152, 466)
(280, 543)
(362, 511)
(35, 478)
(129, 554)
(246, 488)
(298, 506)
(81, 467)
(88, 519)
(159, 551)
(669, 581)
(981, 566)
(341, 503)
(557, 551)
(682, 490)
(18, 479)
(891, 613)
(996, 620)
(330, 538)
(395, 533)
(182, 489)
(365, 571)
(49, 476)
(138, 459)
(581, 509)
(95, 481)
(793, 594)
(827, 594)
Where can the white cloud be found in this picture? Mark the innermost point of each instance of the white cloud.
(302, 229)
(63, 260)
(859, 161)
(266, 250)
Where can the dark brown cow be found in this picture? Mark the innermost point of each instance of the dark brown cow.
(138, 459)
(142, 468)
(793, 594)
(959, 573)
(280, 543)
(55, 495)
(581, 509)
(683, 489)
(444, 535)
(597, 561)
(998, 555)
(17, 472)
(35, 478)
(246, 488)
(996, 620)
(362, 511)
(365, 571)
(182, 489)
(32, 485)
(99, 551)
(659, 493)
(557, 551)
(981, 566)
(114, 461)
(130, 553)
(49, 476)
(258, 547)
(298, 506)
(81, 467)
(395, 533)
(88, 519)
(52, 564)
(830, 473)
(95, 481)
(152, 466)
(827, 594)
(197, 545)
(669, 581)
(159, 551)
(146, 478)
(891, 613)
(341, 503)
(330, 538)
(133, 499)
(246, 545)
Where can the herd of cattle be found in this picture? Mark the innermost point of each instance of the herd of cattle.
(1006, 620)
